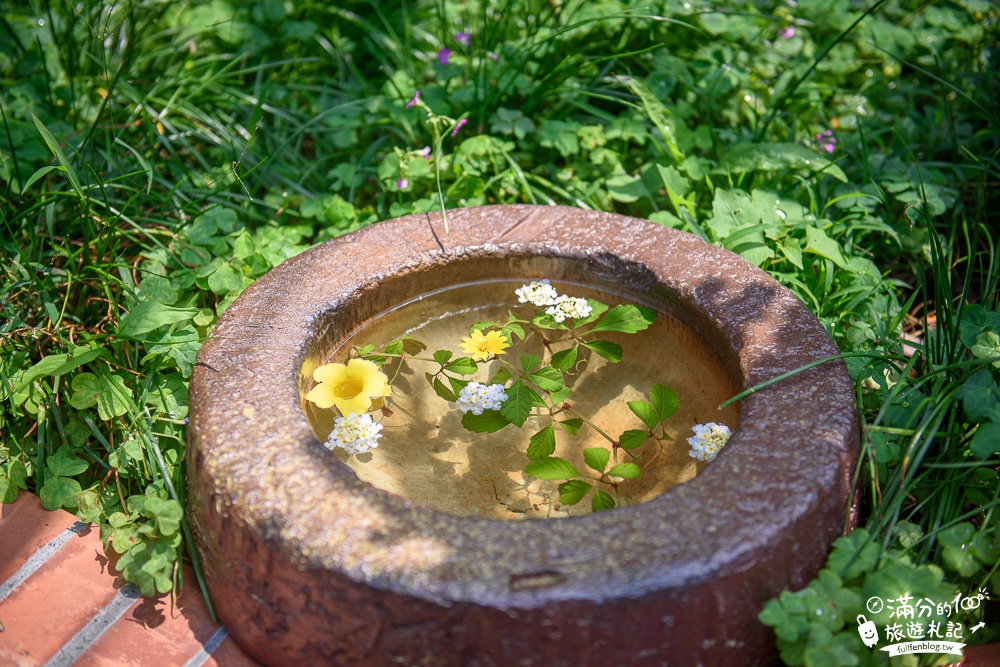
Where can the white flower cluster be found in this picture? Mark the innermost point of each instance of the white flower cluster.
(569, 306)
(354, 434)
(476, 397)
(708, 440)
(541, 293)
(537, 293)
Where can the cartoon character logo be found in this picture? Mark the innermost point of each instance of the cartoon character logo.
(867, 630)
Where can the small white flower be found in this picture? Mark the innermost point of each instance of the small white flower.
(708, 440)
(476, 397)
(569, 306)
(537, 293)
(354, 434)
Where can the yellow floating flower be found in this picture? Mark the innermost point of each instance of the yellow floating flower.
(481, 347)
(350, 388)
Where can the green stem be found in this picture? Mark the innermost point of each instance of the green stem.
(811, 364)
(598, 429)
(437, 174)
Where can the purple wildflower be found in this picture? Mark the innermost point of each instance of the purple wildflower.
(787, 32)
(444, 55)
(458, 126)
(463, 38)
(494, 57)
(826, 140)
(402, 184)
(414, 100)
(425, 151)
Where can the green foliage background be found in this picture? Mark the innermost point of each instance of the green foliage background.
(158, 156)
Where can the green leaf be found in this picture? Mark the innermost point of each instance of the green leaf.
(605, 348)
(511, 331)
(664, 400)
(633, 438)
(854, 555)
(560, 135)
(596, 458)
(572, 425)
(551, 468)
(412, 346)
(975, 320)
(980, 397)
(393, 347)
(490, 421)
(985, 547)
(225, 279)
(501, 376)
(243, 245)
(661, 117)
(529, 361)
(53, 145)
(625, 318)
(986, 442)
(547, 379)
(572, 492)
(58, 492)
(457, 384)
(645, 412)
(181, 345)
(960, 560)
(987, 346)
(543, 443)
(775, 157)
(110, 396)
(596, 310)
(625, 187)
(462, 366)
(442, 390)
(545, 321)
(149, 315)
(124, 538)
(558, 397)
(55, 365)
(64, 464)
(626, 470)
(564, 359)
(819, 243)
(442, 356)
(39, 174)
(520, 400)
(168, 514)
(958, 535)
(168, 394)
(602, 501)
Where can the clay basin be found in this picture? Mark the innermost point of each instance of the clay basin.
(308, 564)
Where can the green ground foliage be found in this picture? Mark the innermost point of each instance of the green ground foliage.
(158, 156)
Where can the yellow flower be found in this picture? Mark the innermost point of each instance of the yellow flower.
(482, 347)
(350, 388)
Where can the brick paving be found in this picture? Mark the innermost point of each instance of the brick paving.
(62, 603)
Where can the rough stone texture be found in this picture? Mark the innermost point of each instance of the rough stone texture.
(308, 565)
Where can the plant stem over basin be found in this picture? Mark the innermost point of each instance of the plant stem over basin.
(308, 564)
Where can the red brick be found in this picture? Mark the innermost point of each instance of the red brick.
(155, 633)
(229, 654)
(55, 602)
(26, 527)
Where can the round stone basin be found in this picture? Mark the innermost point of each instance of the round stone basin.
(477, 474)
(306, 563)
